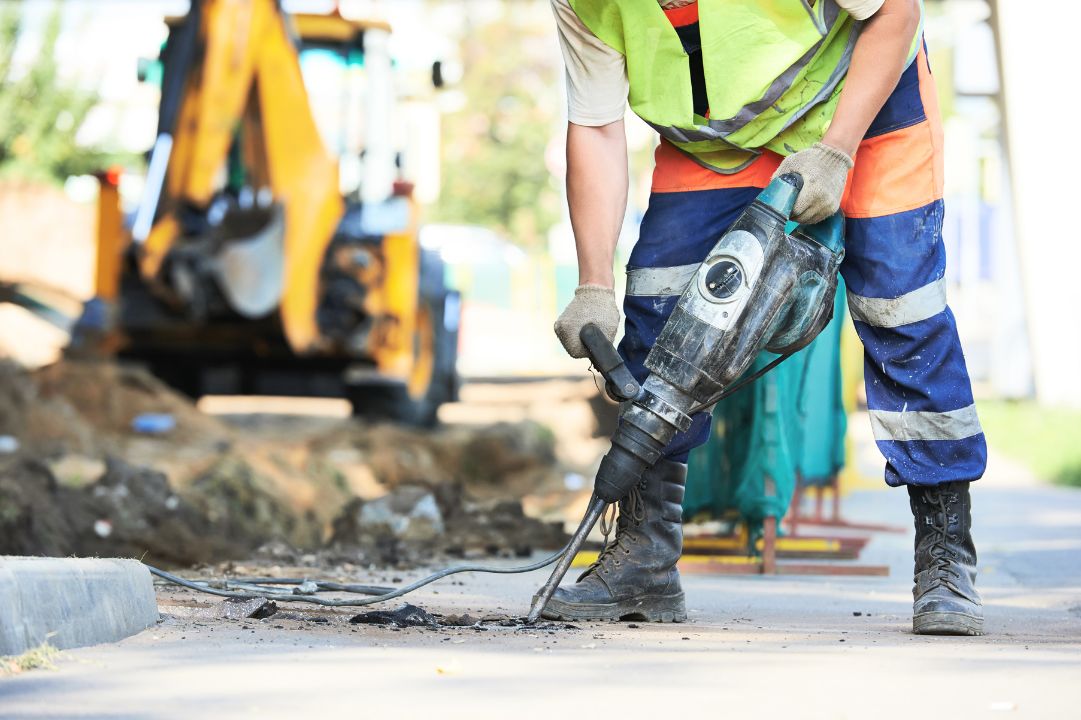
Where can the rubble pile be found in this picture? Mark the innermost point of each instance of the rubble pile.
(129, 511)
(103, 459)
(413, 521)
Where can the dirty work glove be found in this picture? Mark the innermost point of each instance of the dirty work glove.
(591, 304)
(824, 170)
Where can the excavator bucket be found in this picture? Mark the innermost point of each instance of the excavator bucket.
(250, 266)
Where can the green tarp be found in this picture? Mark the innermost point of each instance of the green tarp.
(789, 423)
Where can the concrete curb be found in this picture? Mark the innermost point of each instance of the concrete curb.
(72, 602)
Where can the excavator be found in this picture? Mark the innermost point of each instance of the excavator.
(274, 248)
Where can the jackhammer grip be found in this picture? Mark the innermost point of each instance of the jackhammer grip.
(620, 384)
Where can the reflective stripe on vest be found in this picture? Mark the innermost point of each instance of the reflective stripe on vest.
(761, 59)
(722, 129)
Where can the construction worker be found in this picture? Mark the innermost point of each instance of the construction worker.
(840, 92)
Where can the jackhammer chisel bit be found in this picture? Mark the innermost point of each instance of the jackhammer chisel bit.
(593, 514)
(620, 386)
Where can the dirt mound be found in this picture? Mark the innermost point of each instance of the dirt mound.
(471, 478)
(488, 462)
(108, 396)
(414, 523)
(133, 511)
(236, 501)
(88, 407)
(129, 512)
(501, 528)
(212, 489)
(30, 523)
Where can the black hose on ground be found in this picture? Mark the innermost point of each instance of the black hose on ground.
(251, 591)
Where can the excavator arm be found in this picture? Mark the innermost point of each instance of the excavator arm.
(244, 72)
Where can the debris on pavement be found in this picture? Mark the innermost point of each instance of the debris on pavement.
(405, 616)
(448, 668)
(236, 609)
(520, 623)
(412, 616)
(463, 620)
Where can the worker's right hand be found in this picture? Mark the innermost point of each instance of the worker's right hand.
(591, 304)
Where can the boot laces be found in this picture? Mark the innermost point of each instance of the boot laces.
(632, 513)
(942, 557)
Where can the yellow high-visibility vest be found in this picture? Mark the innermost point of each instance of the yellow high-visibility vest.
(773, 70)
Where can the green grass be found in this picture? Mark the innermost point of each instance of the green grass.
(1047, 440)
(39, 658)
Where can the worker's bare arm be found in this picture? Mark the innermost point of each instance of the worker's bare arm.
(597, 196)
(877, 63)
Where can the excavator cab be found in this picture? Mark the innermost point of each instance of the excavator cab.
(274, 249)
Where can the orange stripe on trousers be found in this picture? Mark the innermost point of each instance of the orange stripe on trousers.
(901, 170)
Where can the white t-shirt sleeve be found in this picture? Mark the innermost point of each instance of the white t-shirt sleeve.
(861, 9)
(596, 74)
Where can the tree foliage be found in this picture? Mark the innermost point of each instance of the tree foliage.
(494, 171)
(41, 112)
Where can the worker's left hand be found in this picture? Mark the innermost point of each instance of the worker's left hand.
(824, 170)
(594, 304)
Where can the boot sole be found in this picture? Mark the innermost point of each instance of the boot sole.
(947, 623)
(649, 608)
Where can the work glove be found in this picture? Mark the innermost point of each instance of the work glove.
(591, 304)
(824, 170)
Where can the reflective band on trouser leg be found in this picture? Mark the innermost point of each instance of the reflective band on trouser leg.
(922, 425)
(920, 304)
(918, 390)
(678, 229)
(661, 281)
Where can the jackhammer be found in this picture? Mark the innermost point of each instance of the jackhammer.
(760, 288)
(767, 284)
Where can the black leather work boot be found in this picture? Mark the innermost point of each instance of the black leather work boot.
(945, 601)
(635, 576)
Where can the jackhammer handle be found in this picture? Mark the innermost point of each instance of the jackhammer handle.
(621, 385)
(794, 179)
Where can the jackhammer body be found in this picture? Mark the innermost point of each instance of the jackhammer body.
(763, 286)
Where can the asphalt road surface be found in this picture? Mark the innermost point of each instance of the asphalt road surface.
(793, 647)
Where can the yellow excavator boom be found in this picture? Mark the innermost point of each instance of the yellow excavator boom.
(249, 76)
